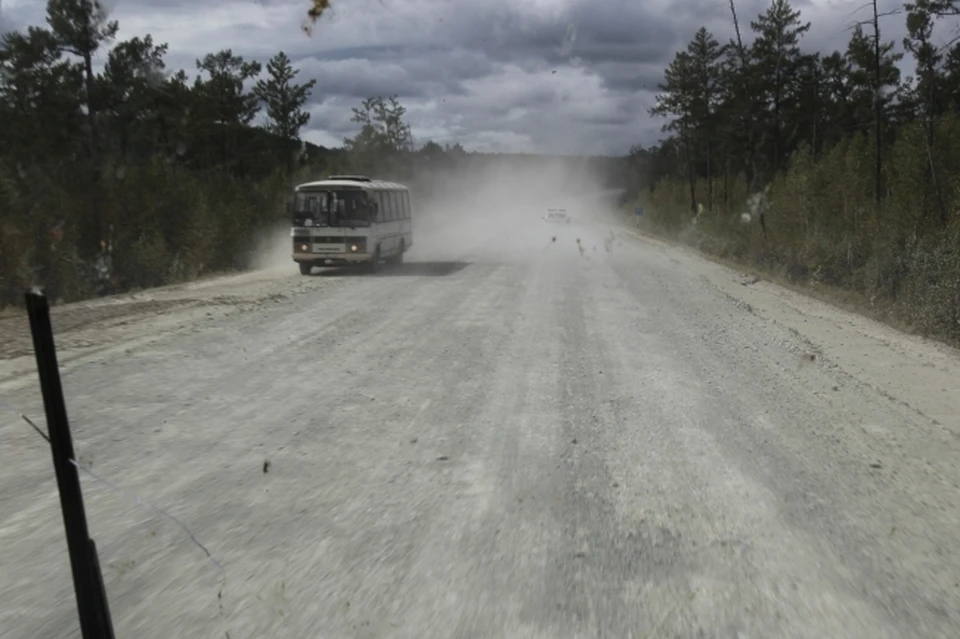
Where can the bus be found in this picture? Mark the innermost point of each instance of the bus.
(350, 219)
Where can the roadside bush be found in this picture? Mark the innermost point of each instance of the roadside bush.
(823, 228)
(139, 226)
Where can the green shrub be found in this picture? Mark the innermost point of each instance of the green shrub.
(824, 229)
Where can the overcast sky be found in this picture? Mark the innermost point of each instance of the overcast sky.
(559, 76)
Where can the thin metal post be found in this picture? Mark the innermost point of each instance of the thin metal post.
(95, 622)
(101, 606)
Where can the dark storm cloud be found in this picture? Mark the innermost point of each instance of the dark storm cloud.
(19, 15)
(558, 75)
(6, 24)
(360, 78)
(333, 116)
(593, 31)
(631, 77)
(412, 71)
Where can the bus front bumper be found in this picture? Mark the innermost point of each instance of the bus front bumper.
(319, 259)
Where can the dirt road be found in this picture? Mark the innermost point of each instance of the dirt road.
(515, 438)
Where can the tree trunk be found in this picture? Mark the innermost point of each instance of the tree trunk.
(726, 181)
(91, 109)
(751, 168)
(691, 171)
(878, 110)
(777, 134)
(710, 174)
(223, 143)
(814, 141)
(938, 194)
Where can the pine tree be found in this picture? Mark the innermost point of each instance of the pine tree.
(221, 100)
(81, 28)
(284, 101)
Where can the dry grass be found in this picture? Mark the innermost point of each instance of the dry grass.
(843, 298)
(898, 263)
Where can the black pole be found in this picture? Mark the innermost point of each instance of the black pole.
(101, 605)
(94, 615)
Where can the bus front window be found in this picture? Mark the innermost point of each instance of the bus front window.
(311, 208)
(332, 208)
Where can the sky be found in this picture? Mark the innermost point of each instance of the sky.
(544, 76)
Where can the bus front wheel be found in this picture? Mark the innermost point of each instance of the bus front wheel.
(305, 268)
(397, 259)
(374, 264)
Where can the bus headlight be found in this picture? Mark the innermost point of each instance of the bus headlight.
(354, 248)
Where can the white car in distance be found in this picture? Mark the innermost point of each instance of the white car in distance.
(557, 216)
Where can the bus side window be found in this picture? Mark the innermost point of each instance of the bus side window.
(406, 205)
(393, 206)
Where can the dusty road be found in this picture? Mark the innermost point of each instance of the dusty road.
(512, 439)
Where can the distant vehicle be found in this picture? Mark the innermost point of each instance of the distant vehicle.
(557, 216)
(350, 219)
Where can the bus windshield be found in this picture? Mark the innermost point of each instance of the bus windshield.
(349, 208)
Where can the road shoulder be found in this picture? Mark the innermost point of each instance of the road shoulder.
(93, 329)
(911, 370)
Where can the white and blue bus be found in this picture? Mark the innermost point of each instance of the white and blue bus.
(350, 219)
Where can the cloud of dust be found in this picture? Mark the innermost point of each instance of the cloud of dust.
(493, 208)
(697, 229)
(272, 250)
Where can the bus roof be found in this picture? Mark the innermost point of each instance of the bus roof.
(345, 181)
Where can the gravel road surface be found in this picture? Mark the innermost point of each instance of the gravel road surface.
(516, 437)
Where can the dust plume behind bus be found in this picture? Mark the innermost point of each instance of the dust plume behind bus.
(494, 210)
